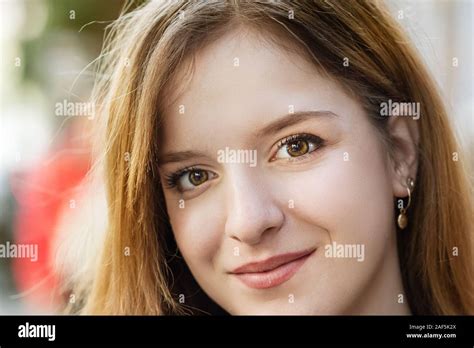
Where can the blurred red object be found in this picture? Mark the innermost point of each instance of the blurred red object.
(43, 193)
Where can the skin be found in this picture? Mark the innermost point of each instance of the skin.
(342, 192)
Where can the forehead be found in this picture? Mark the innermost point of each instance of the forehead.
(239, 81)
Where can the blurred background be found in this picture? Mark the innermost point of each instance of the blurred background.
(46, 75)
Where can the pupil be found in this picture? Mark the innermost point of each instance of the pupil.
(298, 148)
(197, 177)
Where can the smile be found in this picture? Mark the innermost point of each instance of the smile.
(273, 271)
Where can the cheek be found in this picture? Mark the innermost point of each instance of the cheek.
(195, 228)
(363, 201)
(348, 194)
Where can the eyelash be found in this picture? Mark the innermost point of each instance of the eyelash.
(319, 143)
(172, 179)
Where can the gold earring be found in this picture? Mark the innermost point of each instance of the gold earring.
(402, 217)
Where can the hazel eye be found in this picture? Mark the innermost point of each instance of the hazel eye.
(197, 177)
(298, 145)
(298, 148)
(193, 178)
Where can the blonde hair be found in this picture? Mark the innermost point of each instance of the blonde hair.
(149, 45)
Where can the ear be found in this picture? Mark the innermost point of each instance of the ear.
(404, 135)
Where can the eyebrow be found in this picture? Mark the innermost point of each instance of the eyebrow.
(179, 157)
(273, 127)
(292, 119)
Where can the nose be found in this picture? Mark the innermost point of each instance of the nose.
(252, 210)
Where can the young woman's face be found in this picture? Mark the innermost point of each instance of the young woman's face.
(264, 159)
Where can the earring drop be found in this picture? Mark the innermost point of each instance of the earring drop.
(402, 219)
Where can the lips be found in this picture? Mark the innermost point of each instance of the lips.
(273, 271)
